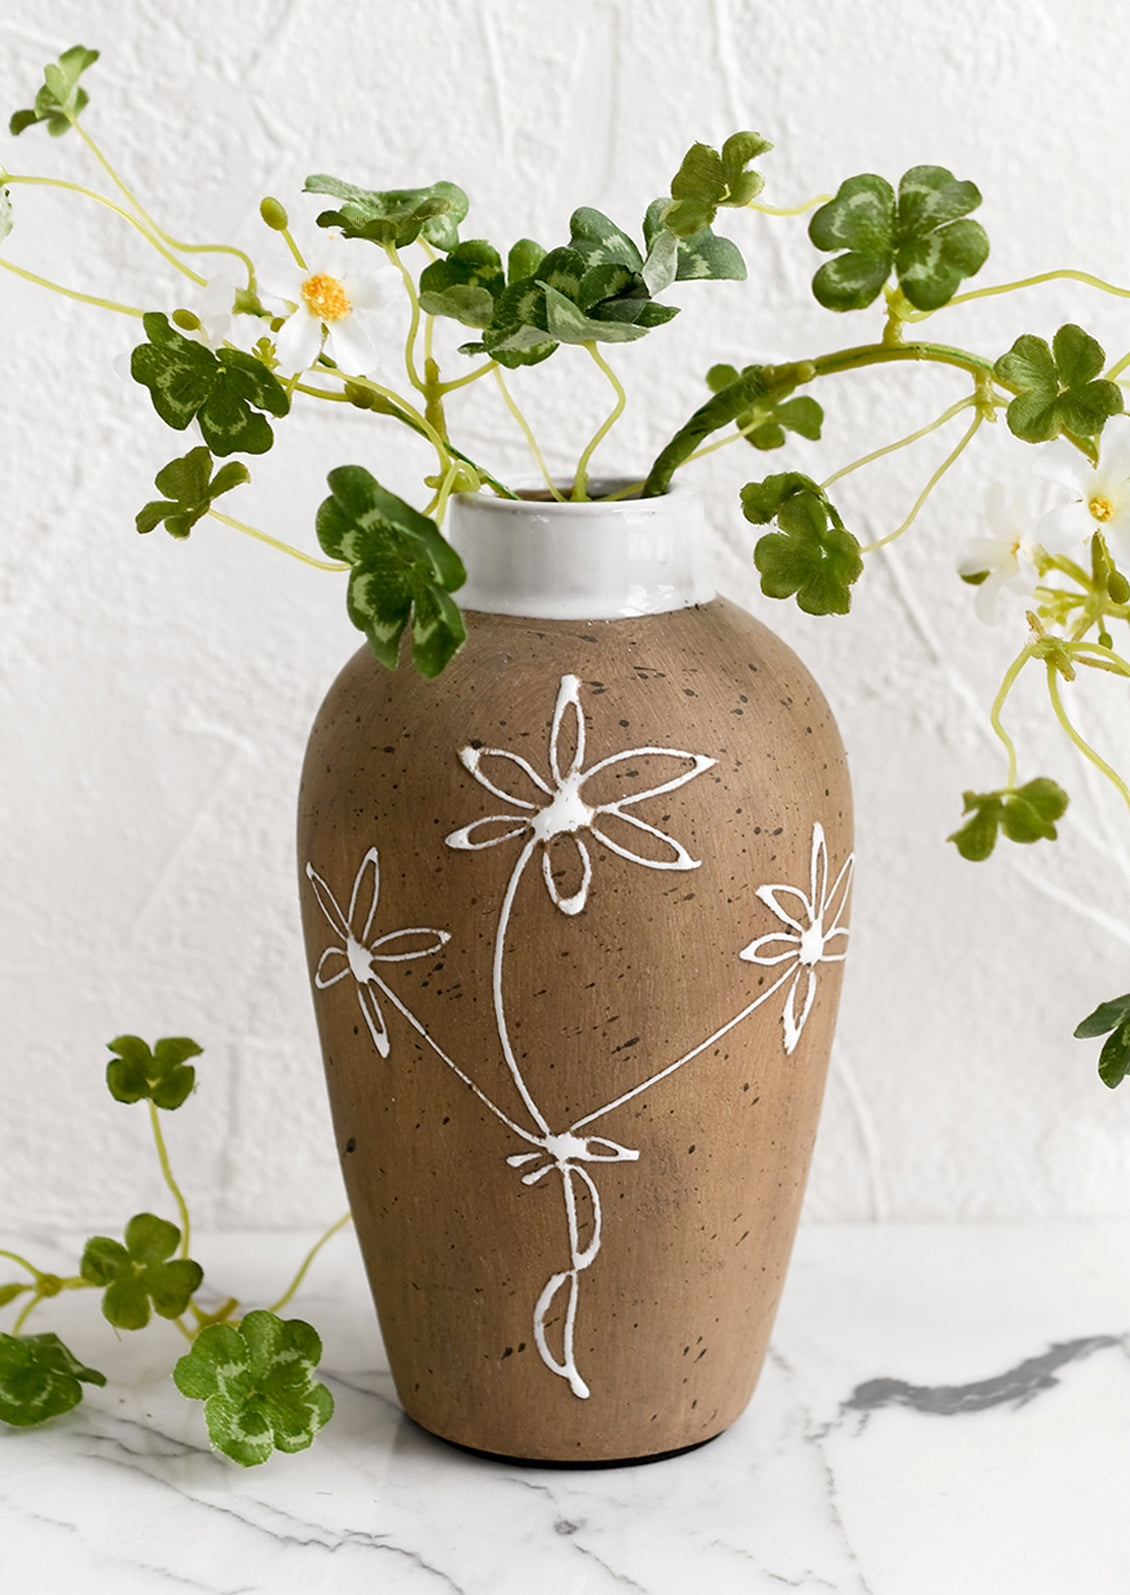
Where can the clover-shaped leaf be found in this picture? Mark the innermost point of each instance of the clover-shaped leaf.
(159, 1075)
(465, 285)
(401, 570)
(769, 418)
(700, 257)
(141, 1274)
(396, 216)
(812, 555)
(707, 179)
(39, 1379)
(1024, 814)
(257, 1385)
(61, 99)
(189, 488)
(1112, 1017)
(1060, 387)
(920, 235)
(223, 391)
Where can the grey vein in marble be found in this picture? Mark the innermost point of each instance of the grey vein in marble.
(1013, 1387)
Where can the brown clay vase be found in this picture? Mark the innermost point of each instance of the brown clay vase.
(576, 914)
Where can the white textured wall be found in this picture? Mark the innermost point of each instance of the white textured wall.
(155, 696)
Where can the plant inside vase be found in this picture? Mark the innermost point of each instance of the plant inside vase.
(229, 354)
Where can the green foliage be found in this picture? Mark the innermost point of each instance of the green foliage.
(401, 569)
(465, 285)
(189, 488)
(701, 257)
(920, 235)
(39, 1379)
(708, 179)
(770, 418)
(812, 555)
(159, 1075)
(397, 216)
(6, 219)
(1023, 814)
(61, 99)
(141, 1274)
(1060, 388)
(221, 391)
(1112, 1017)
(729, 402)
(257, 1385)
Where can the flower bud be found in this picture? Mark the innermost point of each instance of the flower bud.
(186, 320)
(273, 214)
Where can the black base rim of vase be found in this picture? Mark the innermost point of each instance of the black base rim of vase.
(570, 1463)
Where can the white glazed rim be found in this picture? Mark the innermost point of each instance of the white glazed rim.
(547, 559)
(488, 501)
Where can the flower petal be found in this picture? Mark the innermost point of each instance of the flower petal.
(327, 902)
(331, 952)
(436, 940)
(366, 889)
(472, 761)
(374, 1018)
(681, 859)
(769, 896)
(838, 898)
(349, 344)
(818, 869)
(299, 342)
(698, 763)
(568, 717)
(462, 838)
(753, 955)
(793, 1025)
(573, 903)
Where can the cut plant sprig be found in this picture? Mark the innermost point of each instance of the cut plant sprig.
(149, 1272)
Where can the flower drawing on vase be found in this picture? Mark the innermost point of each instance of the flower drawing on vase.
(555, 816)
(813, 925)
(356, 954)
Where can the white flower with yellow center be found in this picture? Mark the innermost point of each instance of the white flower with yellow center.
(1008, 558)
(1099, 494)
(323, 303)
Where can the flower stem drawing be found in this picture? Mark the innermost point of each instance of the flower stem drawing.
(552, 816)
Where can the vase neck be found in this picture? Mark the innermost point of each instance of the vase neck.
(594, 561)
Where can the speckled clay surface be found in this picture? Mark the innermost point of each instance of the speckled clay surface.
(672, 1314)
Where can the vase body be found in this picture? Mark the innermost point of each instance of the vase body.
(576, 915)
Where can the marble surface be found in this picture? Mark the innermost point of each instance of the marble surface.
(945, 1411)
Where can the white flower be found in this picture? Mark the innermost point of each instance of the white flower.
(356, 954)
(813, 926)
(326, 300)
(1099, 494)
(558, 822)
(1010, 555)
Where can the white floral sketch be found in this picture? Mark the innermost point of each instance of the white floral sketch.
(812, 926)
(356, 955)
(569, 1154)
(566, 814)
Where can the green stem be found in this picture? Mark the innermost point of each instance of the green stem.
(870, 354)
(1006, 686)
(1117, 369)
(158, 231)
(1032, 282)
(14, 1257)
(71, 293)
(787, 210)
(403, 412)
(119, 210)
(1083, 746)
(891, 448)
(472, 376)
(167, 1172)
(273, 542)
(414, 323)
(580, 480)
(25, 1313)
(529, 435)
(869, 548)
(307, 1260)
